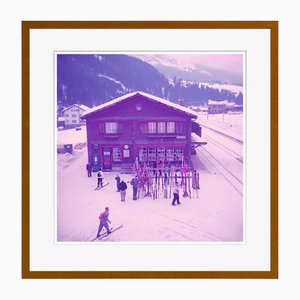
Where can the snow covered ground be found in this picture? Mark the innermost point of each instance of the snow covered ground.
(216, 216)
(230, 124)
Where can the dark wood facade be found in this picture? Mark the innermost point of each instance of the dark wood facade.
(138, 128)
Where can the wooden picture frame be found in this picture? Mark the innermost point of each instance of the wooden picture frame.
(27, 27)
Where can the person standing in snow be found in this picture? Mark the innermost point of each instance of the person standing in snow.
(103, 217)
(176, 194)
(89, 169)
(100, 179)
(118, 179)
(134, 182)
(123, 188)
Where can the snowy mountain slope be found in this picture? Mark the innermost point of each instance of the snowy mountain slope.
(190, 70)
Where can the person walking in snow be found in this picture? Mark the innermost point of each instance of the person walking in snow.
(118, 179)
(104, 220)
(100, 179)
(123, 188)
(176, 194)
(134, 182)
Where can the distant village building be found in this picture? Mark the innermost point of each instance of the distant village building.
(72, 115)
(138, 127)
(217, 107)
(224, 106)
(236, 108)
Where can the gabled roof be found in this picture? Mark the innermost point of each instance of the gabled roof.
(146, 95)
(82, 106)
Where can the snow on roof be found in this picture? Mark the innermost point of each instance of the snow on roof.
(231, 104)
(82, 106)
(215, 102)
(149, 96)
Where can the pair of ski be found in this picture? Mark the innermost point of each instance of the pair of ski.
(103, 235)
(101, 187)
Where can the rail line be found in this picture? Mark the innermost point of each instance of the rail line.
(228, 175)
(226, 149)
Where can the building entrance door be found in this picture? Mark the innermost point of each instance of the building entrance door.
(96, 162)
(107, 158)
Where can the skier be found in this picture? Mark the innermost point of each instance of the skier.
(89, 169)
(176, 194)
(103, 217)
(123, 188)
(134, 182)
(100, 179)
(118, 179)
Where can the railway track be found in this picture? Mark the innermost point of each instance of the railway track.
(233, 179)
(226, 149)
(224, 155)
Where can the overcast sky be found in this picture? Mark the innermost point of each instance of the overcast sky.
(229, 62)
(223, 61)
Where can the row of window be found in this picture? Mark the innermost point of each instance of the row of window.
(72, 121)
(161, 127)
(73, 116)
(148, 154)
(160, 154)
(145, 127)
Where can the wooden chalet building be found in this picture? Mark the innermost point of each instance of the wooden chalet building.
(138, 127)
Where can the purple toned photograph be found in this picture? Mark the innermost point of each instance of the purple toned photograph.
(150, 147)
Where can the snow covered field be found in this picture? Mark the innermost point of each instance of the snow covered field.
(216, 216)
(230, 124)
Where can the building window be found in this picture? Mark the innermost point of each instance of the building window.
(74, 116)
(66, 115)
(111, 127)
(151, 127)
(74, 121)
(170, 154)
(161, 153)
(178, 154)
(67, 121)
(143, 154)
(138, 107)
(170, 127)
(161, 127)
(126, 153)
(116, 154)
(152, 154)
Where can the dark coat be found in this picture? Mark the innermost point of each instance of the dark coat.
(123, 186)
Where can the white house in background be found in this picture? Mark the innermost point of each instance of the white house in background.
(72, 114)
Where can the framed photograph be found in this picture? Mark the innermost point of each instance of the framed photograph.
(150, 149)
